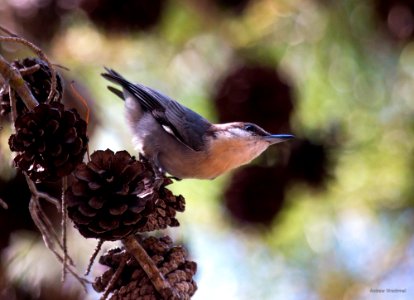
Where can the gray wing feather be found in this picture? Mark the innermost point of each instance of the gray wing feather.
(186, 125)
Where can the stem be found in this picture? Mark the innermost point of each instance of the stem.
(13, 105)
(64, 225)
(37, 219)
(162, 286)
(15, 80)
(41, 215)
(114, 279)
(15, 39)
(2, 28)
(93, 257)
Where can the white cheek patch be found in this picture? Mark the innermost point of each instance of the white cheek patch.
(238, 132)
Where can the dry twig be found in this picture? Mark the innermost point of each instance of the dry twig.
(7, 31)
(14, 38)
(93, 257)
(37, 213)
(64, 224)
(50, 237)
(13, 105)
(162, 286)
(16, 82)
(114, 279)
(38, 220)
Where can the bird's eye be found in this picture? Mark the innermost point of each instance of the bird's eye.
(250, 128)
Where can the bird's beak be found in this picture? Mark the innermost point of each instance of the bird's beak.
(278, 138)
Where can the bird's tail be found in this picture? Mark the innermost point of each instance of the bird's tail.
(117, 78)
(147, 97)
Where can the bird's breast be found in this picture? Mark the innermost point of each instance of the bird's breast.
(225, 155)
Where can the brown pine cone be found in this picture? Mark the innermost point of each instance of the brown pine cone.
(165, 207)
(39, 83)
(133, 282)
(115, 195)
(51, 141)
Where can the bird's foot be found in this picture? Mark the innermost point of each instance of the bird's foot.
(159, 178)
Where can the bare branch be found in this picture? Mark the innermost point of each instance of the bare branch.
(29, 70)
(64, 224)
(114, 279)
(4, 29)
(49, 199)
(162, 286)
(13, 105)
(93, 257)
(15, 80)
(37, 219)
(41, 54)
(45, 224)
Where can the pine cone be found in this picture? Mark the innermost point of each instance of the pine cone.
(41, 21)
(38, 82)
(255, 93)
(133, 282)
(395, 17)
(51, 140)
(235, 6)
(256, 194)
(165, 207)
(127, 15)
(115, 195)
(310, 162)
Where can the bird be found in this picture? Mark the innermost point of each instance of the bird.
(182, 143)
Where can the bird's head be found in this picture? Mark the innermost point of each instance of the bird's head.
(235, 144)
(248, 133)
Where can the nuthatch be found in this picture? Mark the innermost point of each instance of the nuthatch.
(181, 142)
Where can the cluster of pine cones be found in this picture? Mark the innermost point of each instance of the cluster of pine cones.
(110, 197)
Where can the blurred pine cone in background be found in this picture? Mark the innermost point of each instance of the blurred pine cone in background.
(133, 283)
(234, 6)
(124, 16)
(256, 194)
(16, 194)
(255, 93)
(40, 20)
(397, 17)
(310, 162)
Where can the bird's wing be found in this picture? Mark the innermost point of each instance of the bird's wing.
(186, 125)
